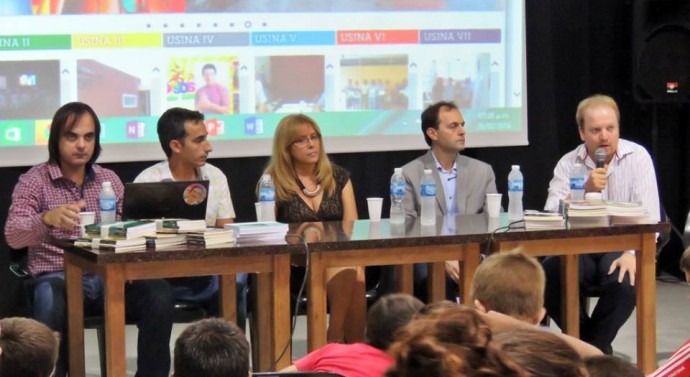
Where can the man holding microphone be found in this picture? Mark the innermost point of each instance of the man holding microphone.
(621, 171)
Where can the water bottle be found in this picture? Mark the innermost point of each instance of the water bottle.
(267, 198)
(107, 203)
(515, 190)
(577, 182)
(428, 198)
(397, 197)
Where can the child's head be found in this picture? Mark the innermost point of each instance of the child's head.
(451, 345)
(387, 315)
(211, 347)
(28, 348)
(610, 366)
(511, 283)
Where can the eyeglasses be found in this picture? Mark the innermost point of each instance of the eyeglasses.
(303, 141)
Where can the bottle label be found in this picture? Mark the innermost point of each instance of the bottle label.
(397, 189)
(429, 189)
(577, 183)
(107, 204)
(515, 185)
(267, 194)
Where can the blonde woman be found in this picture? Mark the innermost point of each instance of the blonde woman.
(309, 188)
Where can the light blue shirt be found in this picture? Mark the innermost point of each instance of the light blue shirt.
(448, 180)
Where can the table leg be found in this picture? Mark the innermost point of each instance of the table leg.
(316, 304)
(404, 278)
(468, 265)
(570, 288)
(75, 317)
(228, 297)
(436, 281)
(114, 287)
(646, 304)
(263, 316)
(280, 315)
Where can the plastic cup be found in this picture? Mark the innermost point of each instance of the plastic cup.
(374, 205)
(257, 207)
(493, 204)
(86, 218)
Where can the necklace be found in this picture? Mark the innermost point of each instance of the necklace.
(306, 191)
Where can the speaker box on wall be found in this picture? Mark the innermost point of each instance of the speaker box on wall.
(661, 51)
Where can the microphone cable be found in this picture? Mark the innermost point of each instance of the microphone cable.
(300, 293)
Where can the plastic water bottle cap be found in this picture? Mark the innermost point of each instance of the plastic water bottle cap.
(515, 167)
(397, 170)
(107, 184)
(427, 171)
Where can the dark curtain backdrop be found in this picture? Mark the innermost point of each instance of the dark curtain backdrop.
(574, 48)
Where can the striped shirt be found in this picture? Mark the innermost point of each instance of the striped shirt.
(41, 189)
(630, 177)
(219, 201)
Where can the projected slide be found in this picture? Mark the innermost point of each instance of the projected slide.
(363, 69)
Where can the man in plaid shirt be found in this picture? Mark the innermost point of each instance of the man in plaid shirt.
(45, 204)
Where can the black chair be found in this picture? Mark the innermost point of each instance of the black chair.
(297, 374)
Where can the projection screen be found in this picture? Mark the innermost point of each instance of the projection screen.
(364, 70)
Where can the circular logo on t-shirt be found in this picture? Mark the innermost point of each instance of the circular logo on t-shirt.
(194, 194)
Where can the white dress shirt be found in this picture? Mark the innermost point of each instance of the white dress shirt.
(630, 177)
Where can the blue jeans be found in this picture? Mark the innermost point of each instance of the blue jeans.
(148, 302)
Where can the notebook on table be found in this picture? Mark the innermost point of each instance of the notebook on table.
(166, 199)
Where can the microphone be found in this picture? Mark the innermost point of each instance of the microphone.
(600, 157)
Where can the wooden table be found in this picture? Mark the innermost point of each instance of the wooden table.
(271, 262)
(573, 242)
(364, 243)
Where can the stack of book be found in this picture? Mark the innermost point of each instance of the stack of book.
(263, 231)
(163, 240)
(180, 225)
(122, 229)
(622, 213)
(535, 220)
(112, 244)
(586, 214)
(211, 236)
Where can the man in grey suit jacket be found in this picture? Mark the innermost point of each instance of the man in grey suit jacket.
(461, 182)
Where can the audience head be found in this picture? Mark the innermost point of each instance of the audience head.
(28, 348)
(451, 345)
(598, 121)
(297, 141)
(435, 309)
(174, 126)
(211, 348)
(539, 352)
(610, 366)
(62, 137)
(511, 283)
(389, 313)
(431, 117)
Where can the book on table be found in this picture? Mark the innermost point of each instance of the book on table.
(111, 244)
(160, 240)
(258, 229)
(123, 229)
(536, 220)
(211, 236)
(179, 225)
